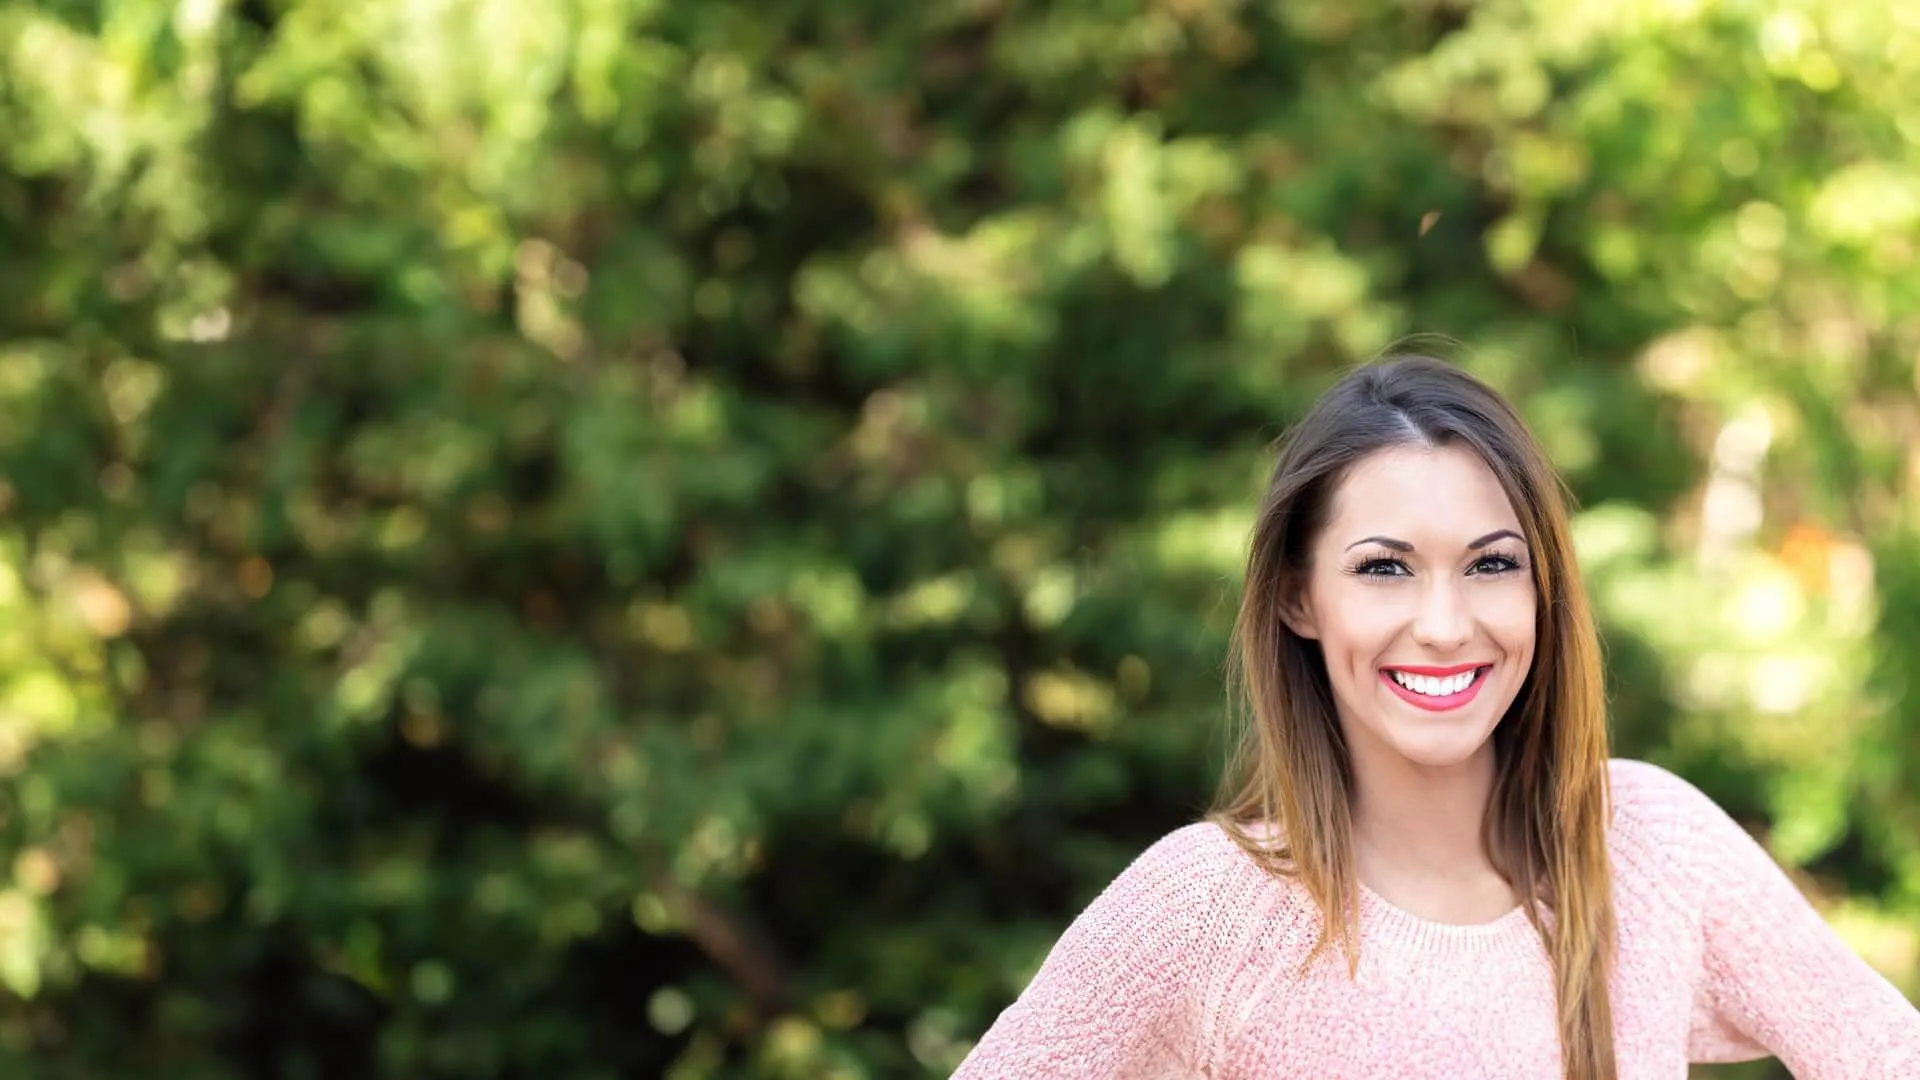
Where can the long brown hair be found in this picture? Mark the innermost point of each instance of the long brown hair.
(1546, 821)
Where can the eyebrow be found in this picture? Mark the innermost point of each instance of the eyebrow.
(1403, 547)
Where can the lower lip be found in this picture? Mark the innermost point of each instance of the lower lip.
(1439, 704)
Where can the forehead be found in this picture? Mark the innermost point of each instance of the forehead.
(1415, 490)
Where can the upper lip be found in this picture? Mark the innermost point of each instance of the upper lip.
(1436, 672)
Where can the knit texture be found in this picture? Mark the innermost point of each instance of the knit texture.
(1189, 965)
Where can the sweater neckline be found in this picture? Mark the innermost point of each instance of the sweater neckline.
(1383, 919)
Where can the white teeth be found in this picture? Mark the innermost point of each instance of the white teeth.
(1434, 687)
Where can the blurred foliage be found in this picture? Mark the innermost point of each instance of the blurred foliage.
(615, 538)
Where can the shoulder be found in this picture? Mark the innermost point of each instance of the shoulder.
(1202, 841)
(1184, 908)
(1233, 918)
(1200, 878)
(1647, 796)
(1194, 862)
(1665, 826)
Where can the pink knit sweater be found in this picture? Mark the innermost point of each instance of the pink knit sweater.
(1188, 965)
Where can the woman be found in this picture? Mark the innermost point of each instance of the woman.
(1424, 864)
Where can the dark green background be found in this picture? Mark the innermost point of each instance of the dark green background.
(629, 538)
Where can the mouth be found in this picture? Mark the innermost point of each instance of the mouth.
(1436, 689)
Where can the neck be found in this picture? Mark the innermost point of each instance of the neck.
(1423, 820)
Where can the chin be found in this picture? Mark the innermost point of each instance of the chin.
(1435, 754)
(1439, 745)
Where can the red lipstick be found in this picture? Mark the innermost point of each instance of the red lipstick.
(1438, 703)
(1436, 672)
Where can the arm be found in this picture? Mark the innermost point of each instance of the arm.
(1120, 995)
(1776, 978)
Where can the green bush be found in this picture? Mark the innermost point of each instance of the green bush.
(613, 538)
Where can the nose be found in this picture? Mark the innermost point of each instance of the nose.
(1443, 622)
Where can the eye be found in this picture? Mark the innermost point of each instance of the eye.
(1495, 564)
(1382, 568)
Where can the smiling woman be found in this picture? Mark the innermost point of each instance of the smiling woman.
(1420, 593)
(1424, 788)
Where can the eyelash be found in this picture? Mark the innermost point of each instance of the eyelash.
(1373, 567)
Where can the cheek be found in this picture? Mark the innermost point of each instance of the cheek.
(1361, 623)
(1509, 616)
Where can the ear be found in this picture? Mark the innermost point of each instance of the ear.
(1296, 610)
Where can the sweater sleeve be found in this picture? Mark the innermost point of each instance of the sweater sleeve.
(1776, 978)
(1123, 992)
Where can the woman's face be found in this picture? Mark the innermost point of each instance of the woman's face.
(1420, 593)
